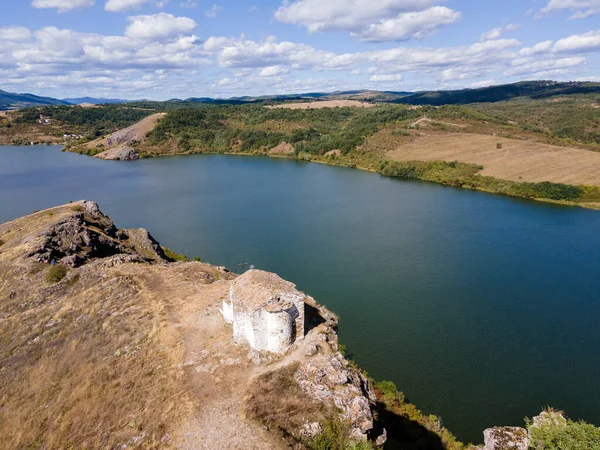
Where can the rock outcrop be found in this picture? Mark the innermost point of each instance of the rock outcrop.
(505, 438)
(122, 153)
(87, 234)
(331, 380)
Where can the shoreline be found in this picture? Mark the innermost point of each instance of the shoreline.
(342, 161)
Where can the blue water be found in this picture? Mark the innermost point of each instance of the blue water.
(481, 308)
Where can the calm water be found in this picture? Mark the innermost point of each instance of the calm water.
(482, 309)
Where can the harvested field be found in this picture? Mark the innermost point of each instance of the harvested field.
(516, 160)
(325, 104)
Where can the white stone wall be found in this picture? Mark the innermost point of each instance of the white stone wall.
(280, 325)
(264, 330)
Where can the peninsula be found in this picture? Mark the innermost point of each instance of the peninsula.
(108, 341)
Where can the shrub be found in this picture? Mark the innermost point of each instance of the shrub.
(335, 437)
(564, 436)
(56, 273)
(173, 256)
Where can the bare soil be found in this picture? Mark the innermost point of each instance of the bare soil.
(325, 104)
(130, 135)
(516, 160)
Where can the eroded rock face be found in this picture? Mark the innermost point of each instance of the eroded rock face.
(331, 380)
(505, 438)
(87, 233)
(123, 153)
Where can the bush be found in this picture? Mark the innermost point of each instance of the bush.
(335, 437)
(568, 436)
(56, 273)
(173, 256)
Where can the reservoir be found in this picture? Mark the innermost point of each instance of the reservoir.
(482, 309)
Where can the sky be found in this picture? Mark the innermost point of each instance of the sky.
(162, 49)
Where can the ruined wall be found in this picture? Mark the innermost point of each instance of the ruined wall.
(263, 330)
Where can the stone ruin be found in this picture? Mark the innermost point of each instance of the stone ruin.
(266, 311)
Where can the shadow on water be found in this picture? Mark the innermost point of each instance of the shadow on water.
(405, 434)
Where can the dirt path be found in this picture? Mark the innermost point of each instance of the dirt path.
(426, 120)
(218, 371)
(516, 160)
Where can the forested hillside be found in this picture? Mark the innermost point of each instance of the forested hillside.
(528, 89)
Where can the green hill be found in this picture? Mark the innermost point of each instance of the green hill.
(9, 100)
(530, 89)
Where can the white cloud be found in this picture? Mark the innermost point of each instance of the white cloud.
(409, 25)
(482, 83)
(188, 4)
(14, 34)
(459, 73)
(124, 5)
(580, 8)
(159, 26)
(492, 34)
(213, 11)
(579, 43)
(537, 49)
(386, 78)
(271, 71)
(244, 53)
(367, 19)
(525, 66)
(62, 5)
(497, 32)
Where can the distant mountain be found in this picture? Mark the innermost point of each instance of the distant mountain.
(531, 89)
(9, 100)
(95, 101)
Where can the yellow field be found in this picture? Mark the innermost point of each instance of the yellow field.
(516, 160)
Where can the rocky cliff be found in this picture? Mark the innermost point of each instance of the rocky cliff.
(107, 344)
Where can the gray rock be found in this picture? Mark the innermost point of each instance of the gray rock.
(310, 430)
(124, 153)
(381, 439)
(505, 438)
(330, 379)
(311, 350)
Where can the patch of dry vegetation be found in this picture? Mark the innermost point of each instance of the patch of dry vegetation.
(86, 362)
(324, 104)
(515, 160)
(276, 401)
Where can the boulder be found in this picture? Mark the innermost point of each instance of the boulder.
(505, 438)
(381, 439)
(122, 153)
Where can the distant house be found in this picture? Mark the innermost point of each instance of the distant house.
(266, 311)
(44, 120)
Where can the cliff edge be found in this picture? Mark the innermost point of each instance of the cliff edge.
(106, 343)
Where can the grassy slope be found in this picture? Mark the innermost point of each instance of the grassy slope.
(564, 120)
(254, 129)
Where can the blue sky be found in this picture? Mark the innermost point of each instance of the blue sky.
(161, 49)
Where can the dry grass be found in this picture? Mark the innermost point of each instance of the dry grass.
(325, 104)
(276, 401)
(87, 362)
(517, 160)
